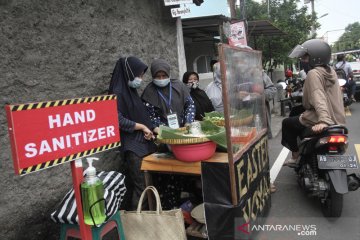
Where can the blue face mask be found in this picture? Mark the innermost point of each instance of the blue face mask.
(136, 83)
(161, 82)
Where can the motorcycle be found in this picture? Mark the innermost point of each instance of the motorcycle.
(322, 169)
(347, 101)
(323, 164)
(291, 85)
(293, 93)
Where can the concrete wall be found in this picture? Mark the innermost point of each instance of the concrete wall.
(59, 49)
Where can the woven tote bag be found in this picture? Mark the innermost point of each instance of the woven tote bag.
(153, 225)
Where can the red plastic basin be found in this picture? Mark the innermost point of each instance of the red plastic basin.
(194, 152)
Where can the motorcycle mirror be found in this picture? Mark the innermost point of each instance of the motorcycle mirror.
(342, 82)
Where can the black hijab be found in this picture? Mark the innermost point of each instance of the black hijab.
(201, 100)
(129, 102)
(187, 75)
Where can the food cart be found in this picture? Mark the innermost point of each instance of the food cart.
(236, 183)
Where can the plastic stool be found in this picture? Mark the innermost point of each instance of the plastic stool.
(72, 230)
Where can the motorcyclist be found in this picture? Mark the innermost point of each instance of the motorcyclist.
(350, 83)
(322, 97)
(288, 81)
(288, 76)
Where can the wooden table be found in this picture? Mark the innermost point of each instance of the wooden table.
(167, 163)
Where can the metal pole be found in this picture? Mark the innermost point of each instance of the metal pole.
(180, 48)
(242, 9)
(313, 17)
(232, 8)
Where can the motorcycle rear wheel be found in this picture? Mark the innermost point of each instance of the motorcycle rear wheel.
(333, 204)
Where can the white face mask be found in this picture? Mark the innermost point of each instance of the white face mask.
(136, 83)
(193, 85)
(161, 82)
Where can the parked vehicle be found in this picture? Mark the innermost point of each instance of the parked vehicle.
(355, 66)
(322, 169)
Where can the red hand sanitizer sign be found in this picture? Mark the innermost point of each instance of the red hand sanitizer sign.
(50, 133)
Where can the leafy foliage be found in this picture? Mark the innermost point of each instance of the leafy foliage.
(350, 40)
(286, 16)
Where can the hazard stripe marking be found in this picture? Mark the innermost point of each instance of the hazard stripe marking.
(48, 104)
(39, 105)
(58, 161)
(63, 159)
(29, 106)
(20, 107)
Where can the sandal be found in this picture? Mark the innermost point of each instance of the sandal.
(293, 163)
(196, 230)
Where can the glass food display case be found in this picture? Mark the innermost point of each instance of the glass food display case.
(244, 101)
(238, 193)
(235, 179)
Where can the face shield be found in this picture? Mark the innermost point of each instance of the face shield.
(298, 52)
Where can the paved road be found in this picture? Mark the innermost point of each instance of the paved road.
(292, 209)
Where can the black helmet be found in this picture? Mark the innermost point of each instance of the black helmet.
(319, 52)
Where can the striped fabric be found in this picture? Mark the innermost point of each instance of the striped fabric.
(114, 184)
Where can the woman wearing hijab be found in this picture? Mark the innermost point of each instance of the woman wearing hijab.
(169, 103)
(167, 100)
(134, 122)
(214, 89)
(201, 100)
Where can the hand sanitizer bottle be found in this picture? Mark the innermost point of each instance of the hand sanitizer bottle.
(92, 196)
